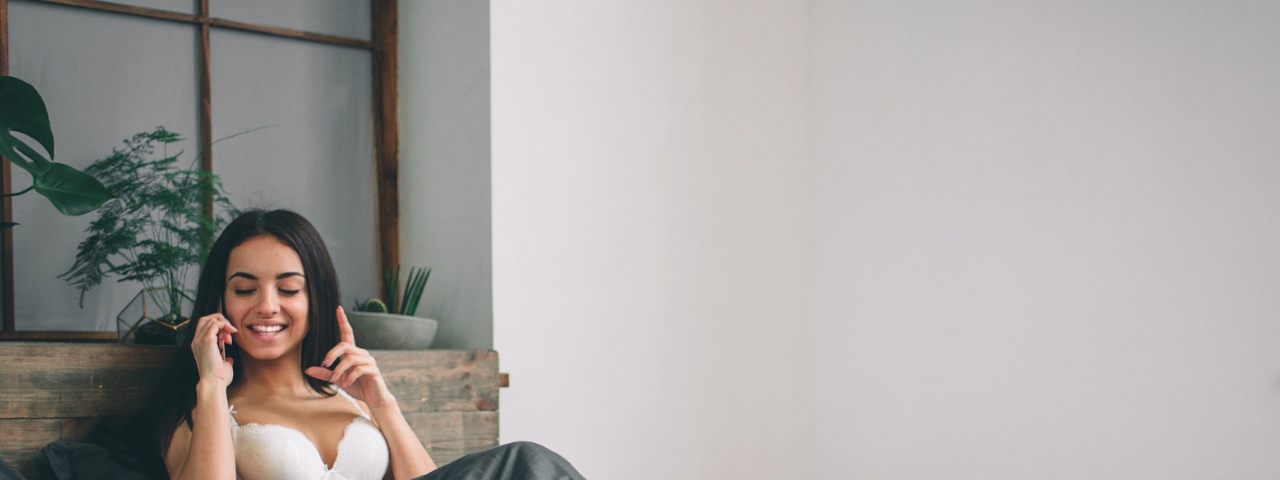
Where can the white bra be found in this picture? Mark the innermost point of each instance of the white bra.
(276, 452)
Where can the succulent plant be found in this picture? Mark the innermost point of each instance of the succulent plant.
(408, 301)
(373, 305)
(405, 303)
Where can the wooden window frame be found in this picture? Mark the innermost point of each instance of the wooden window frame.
(383, 45)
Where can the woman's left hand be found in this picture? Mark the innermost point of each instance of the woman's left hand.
(357, 373)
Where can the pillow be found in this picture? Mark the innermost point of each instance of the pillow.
(87, 461)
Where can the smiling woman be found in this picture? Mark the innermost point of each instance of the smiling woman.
(276, 388)
(265, 297)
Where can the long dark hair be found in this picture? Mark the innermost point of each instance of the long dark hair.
(175, 395)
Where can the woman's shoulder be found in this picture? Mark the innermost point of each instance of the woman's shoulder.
(248, 409)
(364, 407)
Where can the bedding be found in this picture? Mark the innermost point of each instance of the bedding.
(8, 473)
(513, 461)
(86, 461)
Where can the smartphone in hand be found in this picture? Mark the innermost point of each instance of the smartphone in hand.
(222, 347)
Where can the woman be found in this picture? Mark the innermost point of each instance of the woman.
(275, 387)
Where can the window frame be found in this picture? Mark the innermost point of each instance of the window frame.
(382, 45)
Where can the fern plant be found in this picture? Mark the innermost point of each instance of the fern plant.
(155, 230)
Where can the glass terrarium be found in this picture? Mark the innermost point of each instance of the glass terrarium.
(154, 317)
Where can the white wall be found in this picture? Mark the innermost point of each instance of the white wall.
(1045, 239)
(445, 205)
(1029, 241)
(650, 234)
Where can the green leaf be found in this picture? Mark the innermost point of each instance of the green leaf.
(6, 150)
(22, 110)
(38, 162)
(8, 142)
(413, 291)
(6, 225)
(71, 191)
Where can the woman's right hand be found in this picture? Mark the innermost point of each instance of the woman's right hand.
(204, 346)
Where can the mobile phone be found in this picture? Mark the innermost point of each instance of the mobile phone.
(222, 309)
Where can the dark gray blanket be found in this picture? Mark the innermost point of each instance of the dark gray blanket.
(513, 461)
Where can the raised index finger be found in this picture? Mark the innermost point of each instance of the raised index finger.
(344, 327)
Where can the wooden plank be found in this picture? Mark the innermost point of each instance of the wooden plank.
(128, 10)
(51, 380)
(203, 18)
(6, 245)
(6, 206)
(4, 38)
(57, 380)
(386, 132)
(290, 33)
(444, 380)
(206, 110)
(449, 435)
(30, 336)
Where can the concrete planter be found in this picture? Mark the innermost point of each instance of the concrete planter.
(388, 331)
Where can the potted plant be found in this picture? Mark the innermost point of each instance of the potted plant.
(392, 325)
(153, 232)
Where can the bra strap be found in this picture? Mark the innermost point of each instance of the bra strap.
(353, 402)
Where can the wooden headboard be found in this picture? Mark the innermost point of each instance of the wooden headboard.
(60, 391)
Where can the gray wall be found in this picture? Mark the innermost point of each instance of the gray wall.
(106, 77)
(444, 164)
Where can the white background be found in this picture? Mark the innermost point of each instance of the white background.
(650, 179)
(890, 240)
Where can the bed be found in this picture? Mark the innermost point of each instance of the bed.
(61, 391)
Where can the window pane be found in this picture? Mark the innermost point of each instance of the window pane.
(345, 18)
(316, 155)
(104, 78)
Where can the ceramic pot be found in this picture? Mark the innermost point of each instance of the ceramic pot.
(388, 331)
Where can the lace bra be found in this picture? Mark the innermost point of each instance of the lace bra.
(276, 452)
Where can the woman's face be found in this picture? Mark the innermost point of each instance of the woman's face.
(266, 298)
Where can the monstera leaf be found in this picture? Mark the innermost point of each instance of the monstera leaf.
(22, 110)
(71, 191)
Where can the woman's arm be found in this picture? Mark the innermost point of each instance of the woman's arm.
(409, 459)
(358, 374)
(204, 451)
(214, 457)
